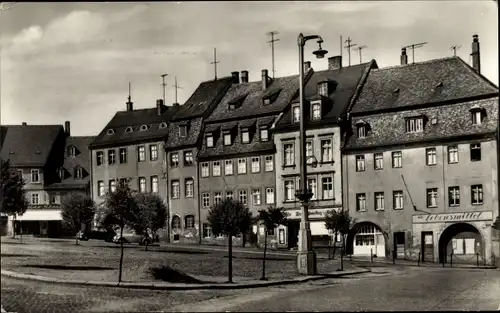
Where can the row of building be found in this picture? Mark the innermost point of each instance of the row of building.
(410, 151)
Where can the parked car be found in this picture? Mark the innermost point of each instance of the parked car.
(100, 234)
(131, 236)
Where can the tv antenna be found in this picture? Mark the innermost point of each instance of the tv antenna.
(214, 63)
(360, 48)
(272, 41)
(348, 47)
(413, 47)
(163, 84)
(176, 88)
(455, 48)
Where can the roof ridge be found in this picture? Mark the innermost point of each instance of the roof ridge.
(416, 63)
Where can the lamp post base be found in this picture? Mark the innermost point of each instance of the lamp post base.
(306, 262)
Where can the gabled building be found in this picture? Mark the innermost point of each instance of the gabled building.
(181, 147)
(53, 163)
(328, 96)
(236, 158)
(420, 168)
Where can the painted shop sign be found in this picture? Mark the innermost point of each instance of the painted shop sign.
(314, 213)
(453, 217)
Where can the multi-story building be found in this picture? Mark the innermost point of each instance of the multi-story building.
(328, 95)
(420, 169)
(236, 158)
(181, 146)
(53, 163)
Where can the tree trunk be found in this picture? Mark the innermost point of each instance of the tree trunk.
(264, 258)
(21, 233)
(76, 239)
(14, 226)
(243, 240)
(121, 256)
(230, 256)
(335, 244)
(342, 254)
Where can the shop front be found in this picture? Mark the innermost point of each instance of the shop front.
(320, 235)
(38, 222)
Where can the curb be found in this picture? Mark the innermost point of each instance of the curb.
(170, 286)
(434, 265)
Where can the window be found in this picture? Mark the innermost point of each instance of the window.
(227, 139)
(270, 232)
(55, 199)
(189, 221)
(143, 128)
(189, 187)
(112, 185)
(100, 188)
(99, 158)
(397, 159)
(269, 166)
(154, 184)
(129, 130)
(61, 173)
(454, 196)
(256, 197)
(71, 151)
(475, 152)
(228, 167)
(323, 89)
(162, 125)
(326, 150)
(174, 159)
(269, 195)
(289, 154)
(205, 199)
(210, 141)
(415, 125)
(176, 189)
(123, 155)
(205, 169)
(141, 155)
(360, 202)
(264, 134)
(242, 166)
(229, 195)
(111, 157)
(255, 164)
(379, 201)
(452, 154)
(397, 196)
(432, 196)
(188, 158)
(153, 152)
(296, 114)
(311, 185)
(477, 117)
(176, 222)
(79, 173)
(217, 197)
(243, 197)
(35, 176)
(207, 231)
(327, 187)
(216, 168)
(361, 131)
(289, 190)
(477, 194)
(378, 161)
(309, 150)
(430, 156)
(34, 198)
(142, 184)
(360, 163)
(182, 131)
(245, 136)
(316, 111)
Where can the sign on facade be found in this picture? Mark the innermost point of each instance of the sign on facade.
(453, 217)
(314, 213)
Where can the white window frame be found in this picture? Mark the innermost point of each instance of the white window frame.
(432, 195)
(316, 111)
(264, 134)
(269, 163)
(327, 187)
(154, 184)
(379, 201)
(362, 131)
(289, 187)
(398, 199)
(270, 196)
(256, 197)
(141, 153)
(311, 184)
(100, 188)
(78, 173)
(227, 140)
(112, 185)
(229, 194)
(378, 161)
(123, 155)
(326, 150)
(99, 157)
(217, 197)
(34, 196)
(174, 159)
(188, 158)
(215, 168)
(35, 176)
(295, 114)
(245, 136)
(175, 189)
(452, 154)
(142, 184)
(397, 159)
(431, 156)
(205, 200)
(288, 154)
(415, 125)
(242, 166)
(111, 156)
(360, 163)
(243, 197)
(361, 202)
(210, 141)
(153, 152)
(189, 187)
(255, 164)
(477, 118)
(323, 89)
(477, 194)
(454, 196)
(205, 169)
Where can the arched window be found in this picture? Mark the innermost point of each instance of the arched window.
(176, 222)
(189, 221)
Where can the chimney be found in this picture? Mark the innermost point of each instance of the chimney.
(130, 105)
(236, 77)
(175, 104)
(307, 66)
(404, 57)
(67, 128)
(24, 124)
(335, 63)
(265, 80)
(159, 106)
(244, 77)
(476, 60)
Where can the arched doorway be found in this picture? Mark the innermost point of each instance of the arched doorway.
(366, 238)
(176, 227)
(463, 240)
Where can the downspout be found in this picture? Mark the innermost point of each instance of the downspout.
(200, 230)
(91, 185)
(167, 198)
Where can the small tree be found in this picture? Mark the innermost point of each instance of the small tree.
(230, 218)
(150, 215)
(77, 209)
(270, 218)
(339, 223)
(12, 194)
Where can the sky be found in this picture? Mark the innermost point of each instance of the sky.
(73, 61)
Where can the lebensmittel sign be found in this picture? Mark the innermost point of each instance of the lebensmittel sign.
(453, 217)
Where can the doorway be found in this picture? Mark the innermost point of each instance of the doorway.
(293, 234)
(427, 246)
(399, 245)
(462, 241)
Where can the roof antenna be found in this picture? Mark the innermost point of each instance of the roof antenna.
(360, 55)
(129, 97)
(413, 47)
(176, 87)
(163, 84)
(455, 48)
(214, 63)
(272, 41)
(348, 47)
(129, 102)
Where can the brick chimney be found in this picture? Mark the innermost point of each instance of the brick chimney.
(159, 106)
(265, 80)
(244, 77)
(404, 57)
(335, 63)
(236, 77)
(476, 57)
(130, 104)
(67, 128)
(307, 66)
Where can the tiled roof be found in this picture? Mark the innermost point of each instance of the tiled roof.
(174, 140)
(427, 82)
(252, 104)
(29, 145)
(346, 79)
(237, 146)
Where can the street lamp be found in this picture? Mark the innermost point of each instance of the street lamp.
(306, 258)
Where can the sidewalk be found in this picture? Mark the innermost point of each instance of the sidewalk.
(365, 261)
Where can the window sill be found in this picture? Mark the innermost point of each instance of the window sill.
(475, 160)
(326, 162)
(359, 171)
(378, 169)
(432, 164)
(242, 173)
(398, 209)
(454, 205)
(360, 211)
(475, 204)
(379, 210)
(397, 167)
(288, 166)
(432, 207)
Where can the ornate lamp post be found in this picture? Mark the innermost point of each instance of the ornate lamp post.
(306, 258)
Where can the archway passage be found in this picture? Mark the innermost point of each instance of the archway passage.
(463, 240)
(364, 239)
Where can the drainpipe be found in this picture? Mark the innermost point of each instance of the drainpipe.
(167, 198)
(200, 230)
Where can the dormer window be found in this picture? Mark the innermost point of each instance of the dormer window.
(62, 173)
(78, 173)
(362, 128)
(129, 129)
(245, 135)
(296, 114)
(210, 140)
(183, 131)
(323, 88)
(232, 106)
(236, 102)
(110, 132)
(144, 128)
(227, 139)
(162, 125)
(477, 114)
(271, 97)
(71, 151)
(316, 111)
(264, 134)
(415, 124)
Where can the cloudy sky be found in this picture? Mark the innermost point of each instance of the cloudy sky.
(73, 61)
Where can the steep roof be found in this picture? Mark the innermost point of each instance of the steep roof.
(433, 81)
(29, 145)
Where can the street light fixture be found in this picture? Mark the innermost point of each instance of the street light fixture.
(306, 257)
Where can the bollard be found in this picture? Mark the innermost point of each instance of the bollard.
(418, 261)
(477, 259)
(371, 255)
